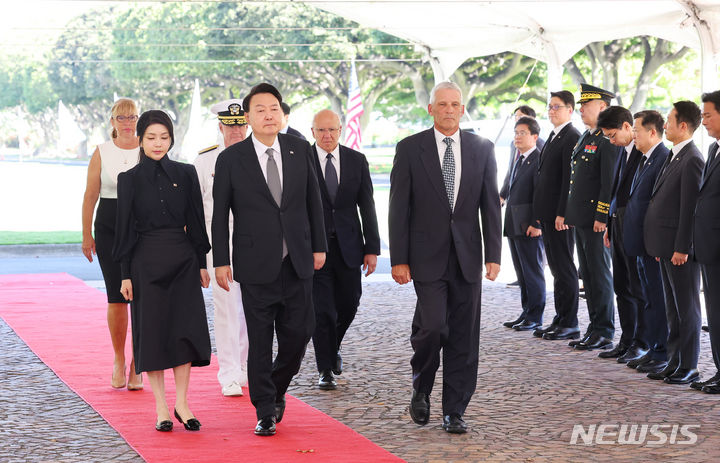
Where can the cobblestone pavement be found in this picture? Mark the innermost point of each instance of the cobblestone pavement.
(42, 420)
(530, 394)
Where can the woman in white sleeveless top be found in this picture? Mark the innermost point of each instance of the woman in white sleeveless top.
(109, 159)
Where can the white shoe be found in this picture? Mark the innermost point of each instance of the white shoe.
(232, 390)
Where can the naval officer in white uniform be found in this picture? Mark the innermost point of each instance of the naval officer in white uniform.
(231, 338)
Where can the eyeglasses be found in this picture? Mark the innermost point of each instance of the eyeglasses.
(126, 118)
(555, 107)
(323, 131)
(522, 133)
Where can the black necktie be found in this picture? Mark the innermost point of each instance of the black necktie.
(550, 138)
(711, 159)
(331, 178)
(515, 169)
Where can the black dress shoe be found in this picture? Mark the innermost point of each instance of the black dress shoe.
(562, 332)
(337, 370)
(664, 373)
(420, 407)
(640, 361)
(266, 426)
(454, 424)
(683, 376)
(164, 426)
(634, 352)
(698, 385)
(577, 341)
(510, 324)
(713, 388)
(279, 410)
(327, 381)
(616, 352)
(653, 366)
(526, 325)
(191, 425)
(538, 333)
(595, 342)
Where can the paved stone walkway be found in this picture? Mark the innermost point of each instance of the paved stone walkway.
(530, 394)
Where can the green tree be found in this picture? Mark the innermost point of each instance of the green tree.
(602, 63)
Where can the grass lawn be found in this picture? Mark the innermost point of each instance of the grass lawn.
(40, 237)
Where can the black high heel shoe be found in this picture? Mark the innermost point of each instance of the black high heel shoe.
(164, 426)
(191, 425)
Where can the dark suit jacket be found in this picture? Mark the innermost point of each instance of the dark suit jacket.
(519, 199)
(295, 133)
(422, 226)
(627, 166)
(551, 188)
(706, 230)
(669, 217)
(355, 191)
(593, 168)
(513, 152)
(638, 201)
(259, 224)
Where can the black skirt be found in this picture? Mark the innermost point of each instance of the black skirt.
(104, 238)
(169, 324)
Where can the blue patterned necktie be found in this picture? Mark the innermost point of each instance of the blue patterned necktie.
(643, 159)
(448, 171)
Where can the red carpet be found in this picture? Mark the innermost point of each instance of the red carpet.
(63, 321)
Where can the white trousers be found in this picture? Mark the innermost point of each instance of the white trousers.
(231, 338)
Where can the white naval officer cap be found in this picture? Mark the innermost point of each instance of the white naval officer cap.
(229, 112)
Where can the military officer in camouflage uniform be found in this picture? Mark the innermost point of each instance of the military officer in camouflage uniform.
(593, 168)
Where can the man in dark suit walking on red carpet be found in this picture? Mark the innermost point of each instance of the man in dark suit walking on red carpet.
(269, 183)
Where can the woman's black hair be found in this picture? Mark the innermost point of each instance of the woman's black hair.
(154, 116)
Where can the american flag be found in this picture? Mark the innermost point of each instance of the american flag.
(354, 111)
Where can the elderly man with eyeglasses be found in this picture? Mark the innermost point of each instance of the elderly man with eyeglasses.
(345, 189)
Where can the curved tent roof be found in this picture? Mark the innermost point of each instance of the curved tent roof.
(552, 31)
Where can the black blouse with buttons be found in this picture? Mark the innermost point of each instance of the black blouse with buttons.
(155, 195)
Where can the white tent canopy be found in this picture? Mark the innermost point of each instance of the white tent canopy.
(552, 31)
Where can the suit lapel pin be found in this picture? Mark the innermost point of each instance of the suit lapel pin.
(292, 152)
(175, 185)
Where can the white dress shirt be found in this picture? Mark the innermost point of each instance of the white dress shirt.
(441, 147)
(322, 157)
(628, 150)
(557, 129)
(676, 148)
(263, 157)
(650, 151)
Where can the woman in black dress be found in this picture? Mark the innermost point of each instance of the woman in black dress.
(161, 245)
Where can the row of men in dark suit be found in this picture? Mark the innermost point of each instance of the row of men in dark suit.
(624, 198)
(297, 244)
(298, 241)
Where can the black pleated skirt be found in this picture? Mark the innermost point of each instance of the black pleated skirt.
(104, 238)
(169, 324)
